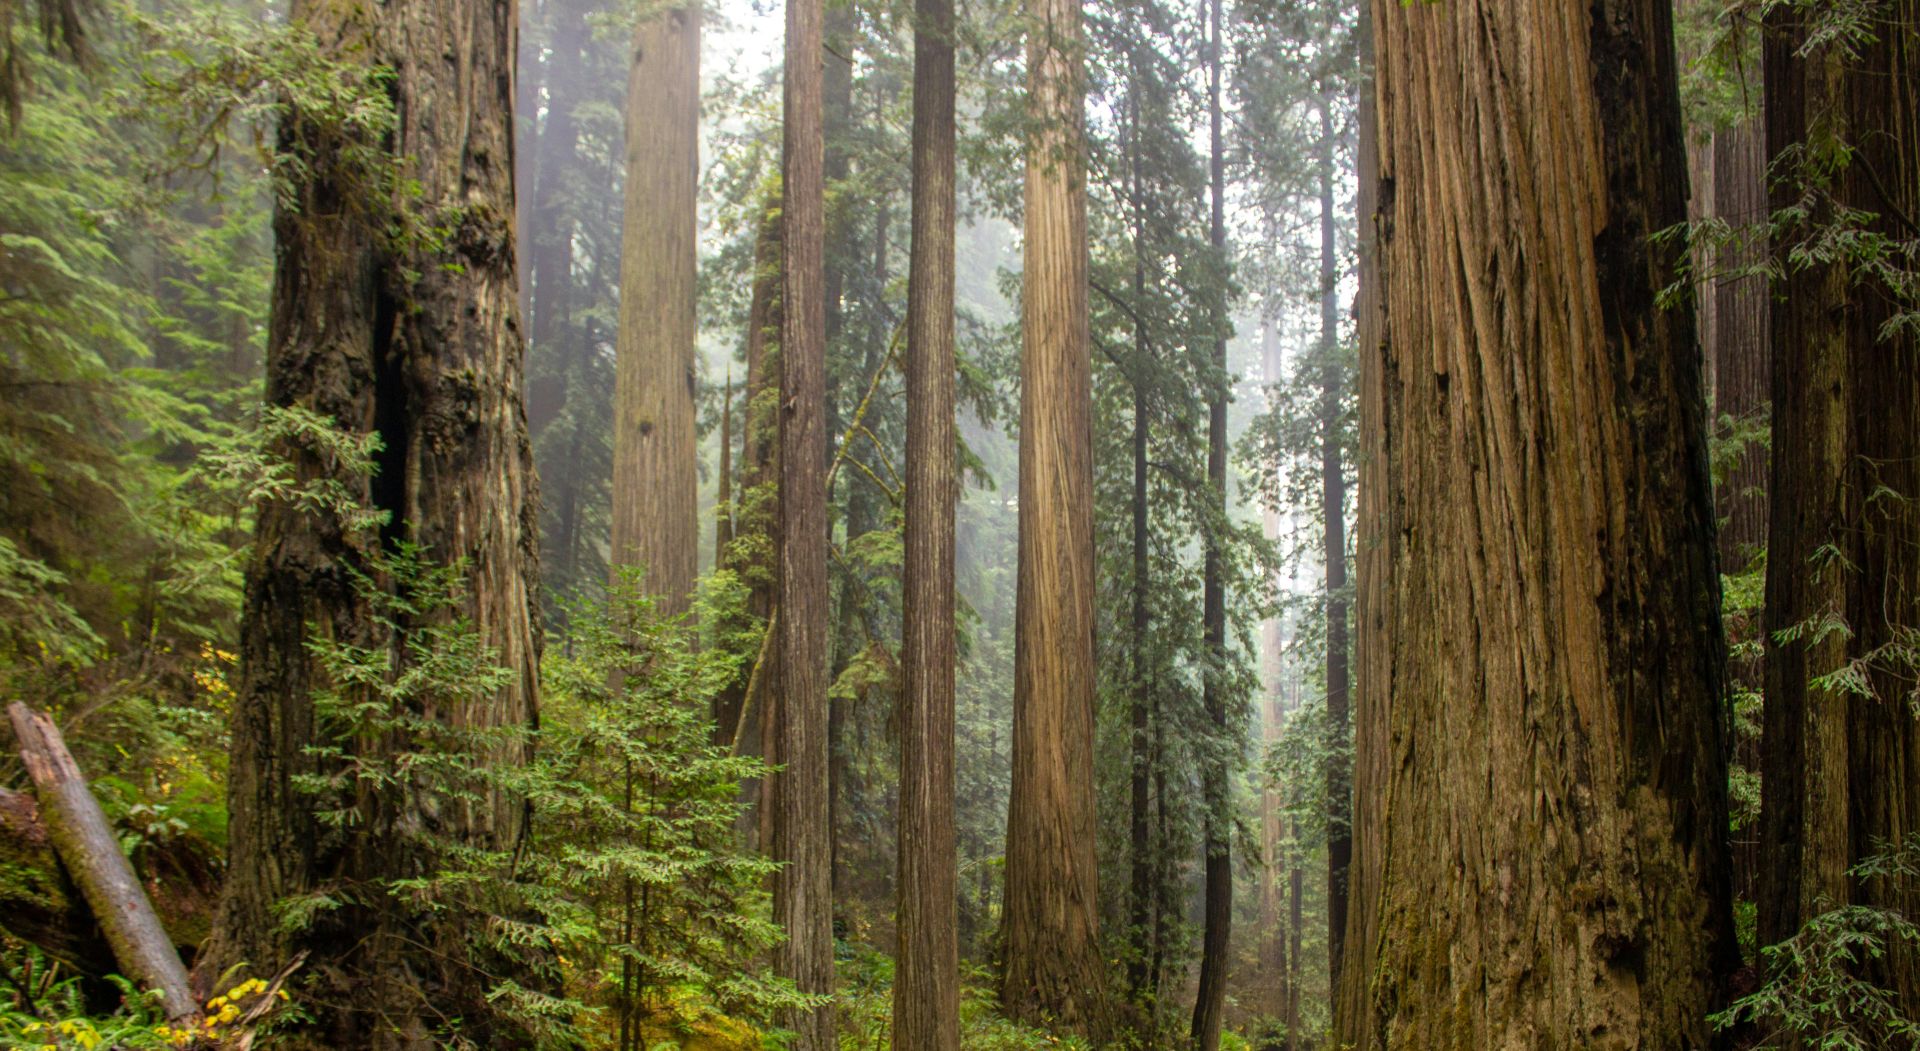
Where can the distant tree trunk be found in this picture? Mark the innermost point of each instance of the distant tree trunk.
(757, 512)
(1367, 774)
(1051, 920)
(656, 518)
(1333, 554)
(1140, 852)
(1842, 776)
(1210, 1000)
(1552, 870)
(1742, 370)
(1296, 929)
(550, 236)
(802, 819)
(838, 253)
(926, 990)
(419, 342)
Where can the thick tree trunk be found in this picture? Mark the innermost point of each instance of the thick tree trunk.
(802, 820)
(1051, 920)
(926, 990)
(1842, 777)
(1209, 1005)
(1553, 856)
(91, 852)
(656, 517)
(415, 338)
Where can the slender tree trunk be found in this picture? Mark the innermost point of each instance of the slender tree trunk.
(1371, 644)
(723, 480)
(1742, 366)
(802, 822)
(550, 237)
(840, 250)
(751, 513)
(1842, 776)
(417, 340)
(656, 517)
(926, 990)
(1296, 883)
(1553, 701)
(1052, 920)
(1216, 940)
(1333, 555)
(1742, 377)
(1141, 850)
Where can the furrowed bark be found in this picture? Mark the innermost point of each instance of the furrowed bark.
(1051, 923)
(926, 991)
(383, 327)
(1552, 693)
(656, 518)
(802, 815)
(1842, 776)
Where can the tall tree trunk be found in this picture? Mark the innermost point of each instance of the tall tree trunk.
(723, 480)
(802, 821)
(1742, 366)
(656, 511)
(1367, 773)
(1552, 704)
(1333, 554)
(926, 989)
(752, 513)
(1842, 780)
(550, 238)
(415, 339)
(839, 252)
(1051, 919)
(1296, 930)
(1742, 370)
(1210, 1001)
(1140, 745)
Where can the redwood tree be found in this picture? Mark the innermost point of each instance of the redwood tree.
(1842, 747)
(801, 830)
(1051, 921)
(1544, 669)
(393, 313)
(1209, 1004)
(926, 989)
(655, 461)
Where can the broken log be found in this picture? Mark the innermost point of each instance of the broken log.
(86, 844)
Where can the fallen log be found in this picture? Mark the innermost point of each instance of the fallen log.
(86, 844)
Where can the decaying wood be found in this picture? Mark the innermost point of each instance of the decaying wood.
(87, 846)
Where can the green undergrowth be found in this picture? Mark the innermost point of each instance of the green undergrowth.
(866, 1010)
